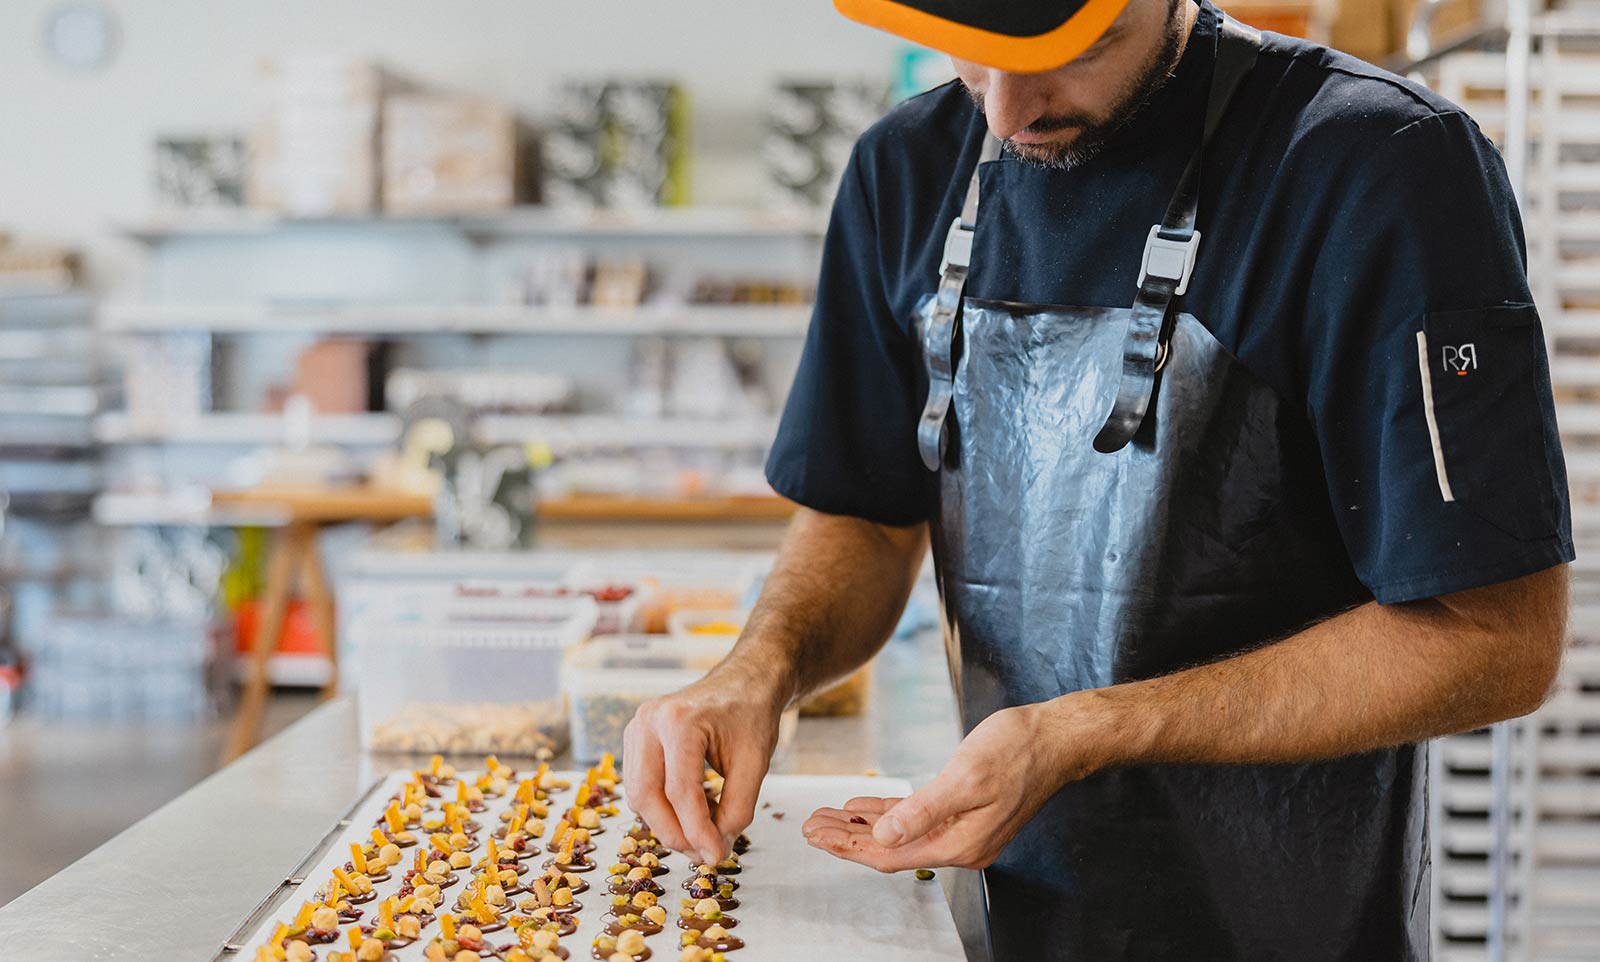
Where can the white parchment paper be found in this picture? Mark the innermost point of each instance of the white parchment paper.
(797, 904)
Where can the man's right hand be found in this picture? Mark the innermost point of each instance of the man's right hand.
(727, 721)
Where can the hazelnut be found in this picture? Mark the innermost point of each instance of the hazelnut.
(619, 957)
(534, 828)
(438, 867)
(459, 841)
(424, 906)
(563, 858)
(573, 880)
(363, 885)
(498, 785)
(474, 794)
(434, 952)
(708, 909)
(427, 890)
(325, 919)
(370, 950)
(628, 846)
(390, 854)
(446, 772)
(643, 900)
(467, 955)
(508, 878)
(640, 872)
(297, 951)
(649, 860)
(413, 812)
(460, 860)
(561, 896)
(518, 955)
(469, 933)
(552, 957)
(494, 895)
(716, 933)
(690, 953)
(630, 942)
(589, 818)
(543, 940)
(656, 914)
(408, 926)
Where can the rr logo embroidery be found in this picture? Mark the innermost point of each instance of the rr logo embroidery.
(1460, 358)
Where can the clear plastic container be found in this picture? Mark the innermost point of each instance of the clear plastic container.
(697, 623)
(465, 682)
(610, 677)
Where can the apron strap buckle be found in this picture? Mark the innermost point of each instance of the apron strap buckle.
(957, 246)
(1165, 259)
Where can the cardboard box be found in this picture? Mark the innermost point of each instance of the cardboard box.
(451, 155)
(314, 148)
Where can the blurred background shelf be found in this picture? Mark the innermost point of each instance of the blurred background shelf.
(397, 319)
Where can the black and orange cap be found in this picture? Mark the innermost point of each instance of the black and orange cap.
(1017, 36)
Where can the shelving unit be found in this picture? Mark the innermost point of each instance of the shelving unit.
(398, 319)
(1547, 908)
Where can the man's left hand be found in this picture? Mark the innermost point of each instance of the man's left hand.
(996, 780)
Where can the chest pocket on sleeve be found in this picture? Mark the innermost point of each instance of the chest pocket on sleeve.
(1486, 390)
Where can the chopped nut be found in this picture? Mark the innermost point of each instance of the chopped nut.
(438, 867)
(494, 895)
(656, 914)
(649, 860)
(561, 896)
(639, 873)
(424, 906)
(708, 909)
(643, 900)
(572, 879)
(543, 941)
(716, 933)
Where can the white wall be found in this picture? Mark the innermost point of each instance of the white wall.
(76, 149)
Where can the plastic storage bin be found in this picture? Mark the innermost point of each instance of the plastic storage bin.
(610, 677)
(691, 624)
(485, 680)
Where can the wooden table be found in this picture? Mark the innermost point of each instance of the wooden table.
(294, 552)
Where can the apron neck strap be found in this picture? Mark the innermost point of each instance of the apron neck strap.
(1170, 250)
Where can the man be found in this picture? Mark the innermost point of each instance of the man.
(1213, 564)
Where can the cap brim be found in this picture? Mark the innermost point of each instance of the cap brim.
(1013, 54)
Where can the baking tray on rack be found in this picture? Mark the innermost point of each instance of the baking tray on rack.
(797, 904)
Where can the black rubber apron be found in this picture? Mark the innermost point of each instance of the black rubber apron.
(1118, 500)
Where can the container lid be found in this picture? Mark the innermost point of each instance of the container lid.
(641, 664)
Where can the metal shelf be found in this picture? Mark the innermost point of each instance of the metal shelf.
(741, 320)
(517, 222)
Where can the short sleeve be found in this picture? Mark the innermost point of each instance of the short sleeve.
(1426, 374)
(847, 441)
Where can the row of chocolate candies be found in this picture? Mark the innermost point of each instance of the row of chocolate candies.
(703, 915)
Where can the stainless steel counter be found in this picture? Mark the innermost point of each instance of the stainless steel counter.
(177, 884)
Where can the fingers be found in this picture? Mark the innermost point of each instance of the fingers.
(741, 785)
(644, 780)
(867, 803)
(854, 842)
(921, 813)
(685, 759)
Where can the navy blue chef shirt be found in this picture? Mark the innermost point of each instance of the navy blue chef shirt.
(1342, 211)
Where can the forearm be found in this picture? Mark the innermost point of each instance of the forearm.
(1371, 677)
(833, 597)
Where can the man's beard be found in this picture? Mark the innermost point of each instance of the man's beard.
(1095, 132)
